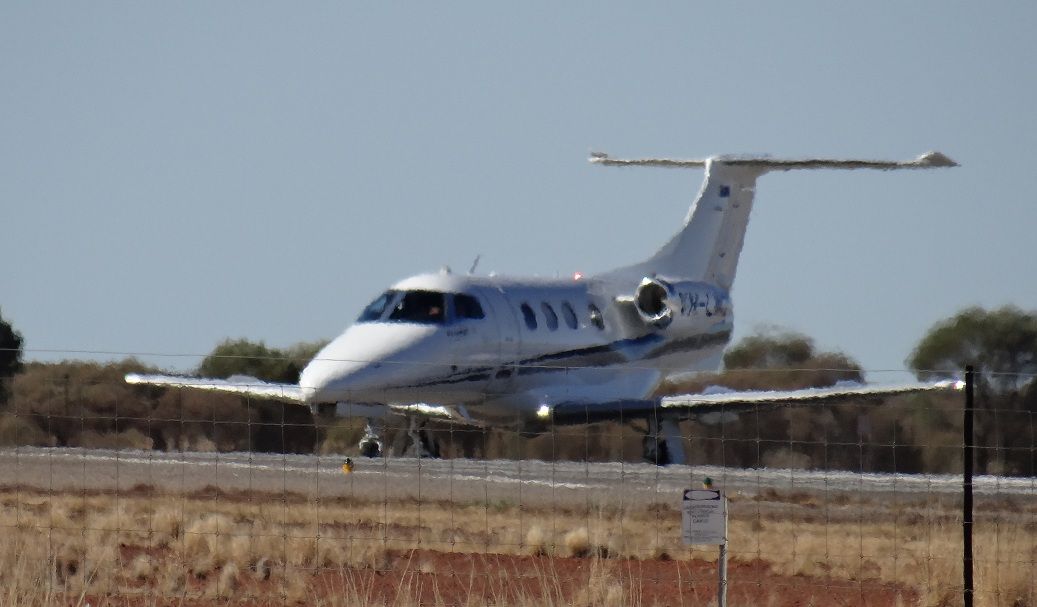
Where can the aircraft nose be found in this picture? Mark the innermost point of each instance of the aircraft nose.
(323, 379)
(359, 364)
(348, 381)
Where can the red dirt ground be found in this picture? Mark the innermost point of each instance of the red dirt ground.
(435, 578)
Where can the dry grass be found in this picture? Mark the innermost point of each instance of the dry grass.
(536, 543)
(577, 542)
(60, 548)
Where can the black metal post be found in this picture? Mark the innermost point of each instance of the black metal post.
(966, 520)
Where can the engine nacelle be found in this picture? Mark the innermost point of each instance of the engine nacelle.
(660, 302)
(655, 302)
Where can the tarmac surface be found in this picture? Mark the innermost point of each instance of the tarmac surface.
(459, 481)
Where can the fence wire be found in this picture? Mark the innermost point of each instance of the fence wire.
(118, 494)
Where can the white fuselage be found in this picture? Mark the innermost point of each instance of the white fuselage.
(524, 344)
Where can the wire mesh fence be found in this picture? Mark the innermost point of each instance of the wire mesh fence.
(126, 494)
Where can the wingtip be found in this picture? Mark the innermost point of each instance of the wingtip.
(950, 384)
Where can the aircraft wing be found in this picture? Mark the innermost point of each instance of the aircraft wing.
(237, 385)
(740, 401)
(258, 388)
(710, 404)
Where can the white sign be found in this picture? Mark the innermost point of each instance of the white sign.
(704, 517)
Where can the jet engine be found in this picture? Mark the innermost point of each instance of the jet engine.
(656, 302)
(659, 302)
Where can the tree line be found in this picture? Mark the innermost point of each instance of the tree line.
(87, 404)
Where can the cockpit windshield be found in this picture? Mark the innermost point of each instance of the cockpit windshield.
(374, 311)
(427, 307)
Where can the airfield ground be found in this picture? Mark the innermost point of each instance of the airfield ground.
(198, 529)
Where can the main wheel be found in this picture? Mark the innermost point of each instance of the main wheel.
(370, 448)
(655, 450)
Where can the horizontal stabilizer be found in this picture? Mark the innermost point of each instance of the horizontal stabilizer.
(237, 385)
(929, 160)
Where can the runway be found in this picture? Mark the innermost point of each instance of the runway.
(457, 480)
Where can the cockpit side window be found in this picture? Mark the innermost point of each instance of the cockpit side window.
(374, 311)
(426, 307)
(529, 316)
(466, 306)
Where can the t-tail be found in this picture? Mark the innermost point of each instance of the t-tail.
(708, 245)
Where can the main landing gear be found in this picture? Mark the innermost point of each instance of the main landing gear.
(663, 443)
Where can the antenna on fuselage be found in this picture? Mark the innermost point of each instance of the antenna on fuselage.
(475, 263)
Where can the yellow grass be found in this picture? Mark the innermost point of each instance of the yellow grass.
(64, 548)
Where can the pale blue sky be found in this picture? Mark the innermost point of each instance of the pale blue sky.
(175, 173)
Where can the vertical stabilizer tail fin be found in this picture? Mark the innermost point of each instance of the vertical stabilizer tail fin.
(710, 242)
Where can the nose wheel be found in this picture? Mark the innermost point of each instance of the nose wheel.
(371, 443)
(417, 441)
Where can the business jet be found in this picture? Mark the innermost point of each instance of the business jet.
(529, 352)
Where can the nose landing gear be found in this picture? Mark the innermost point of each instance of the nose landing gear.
(371, 443)
(417, 441)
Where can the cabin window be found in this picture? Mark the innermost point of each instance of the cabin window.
(425, 307)
(466, 306)
(569, 315)
(374, 311)
(549, 315)
(595, 316)
(530, 317)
